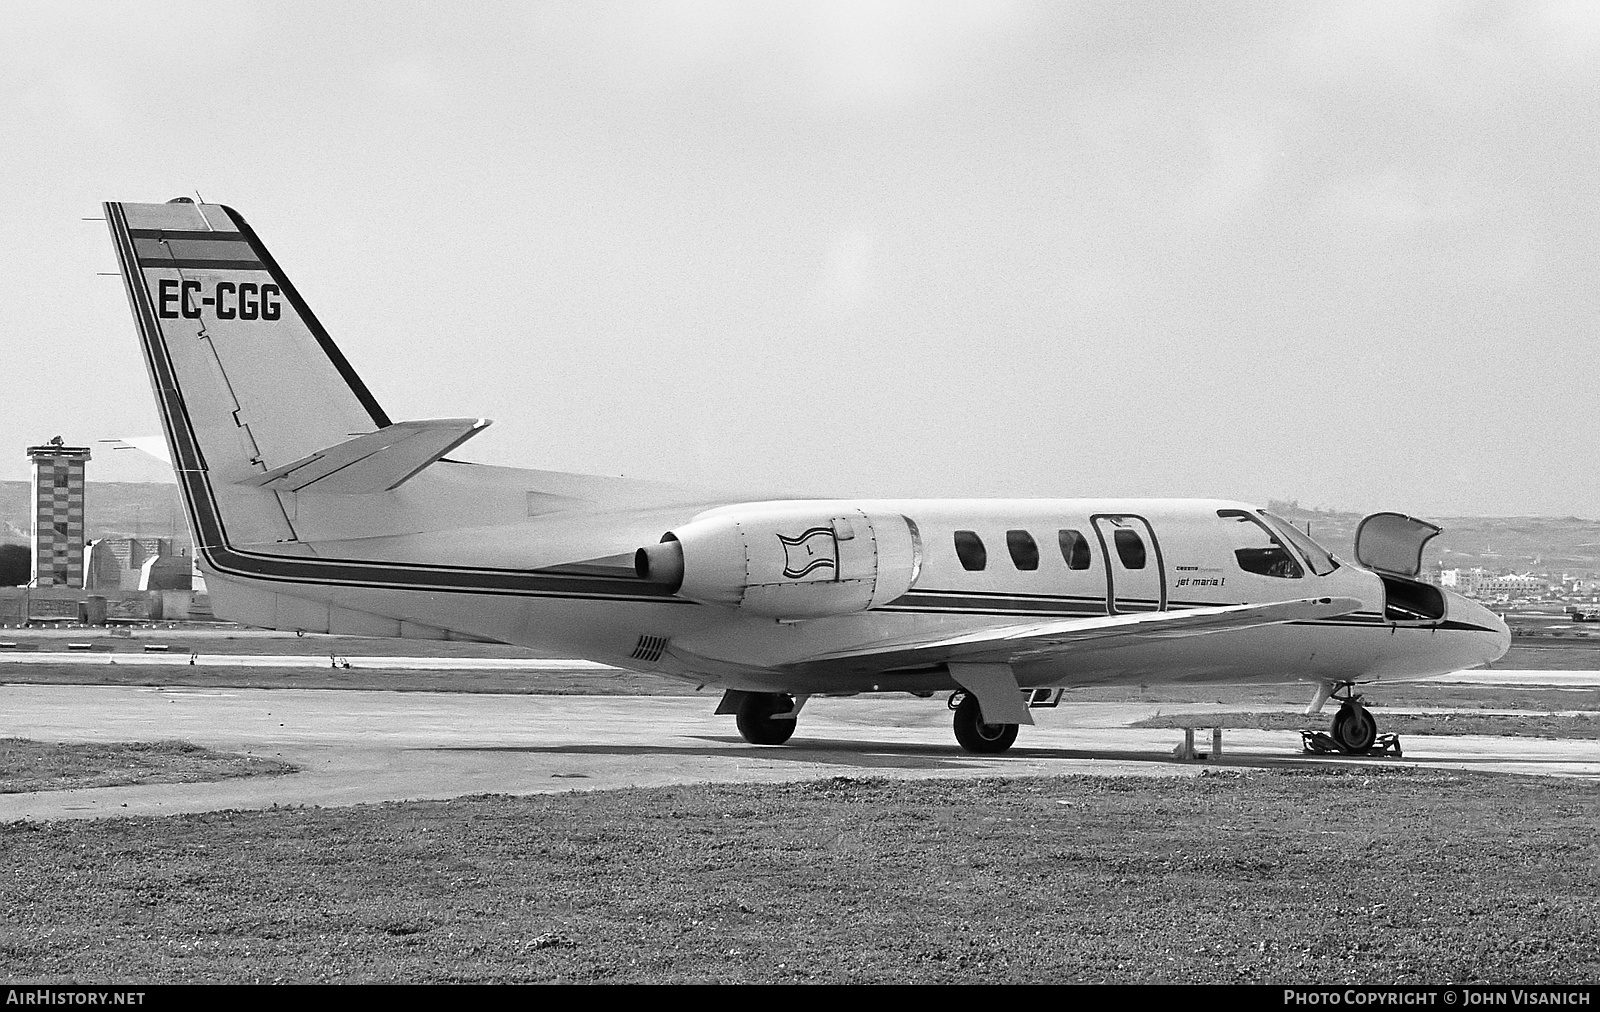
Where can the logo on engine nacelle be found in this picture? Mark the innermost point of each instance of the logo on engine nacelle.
(808, 552)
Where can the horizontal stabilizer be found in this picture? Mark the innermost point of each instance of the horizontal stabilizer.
(374, 461)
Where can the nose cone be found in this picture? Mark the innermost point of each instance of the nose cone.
(1471, 617)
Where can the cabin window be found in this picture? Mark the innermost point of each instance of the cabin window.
(969, 549)
(1074, 549)
(1024, 550)
(1130, 549)
(1258, 548)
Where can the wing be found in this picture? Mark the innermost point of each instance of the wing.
(1010, 644)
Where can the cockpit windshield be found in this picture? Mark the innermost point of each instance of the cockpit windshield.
(1258, 547)
(1318, 558)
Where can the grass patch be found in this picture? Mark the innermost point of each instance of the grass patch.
(1483, 697)
(1398, 694)
(1512, 725)
(1553, 654)
(57, 766)
(1399, 877)
(544, 683)
(219, 639)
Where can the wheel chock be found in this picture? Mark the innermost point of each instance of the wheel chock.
(1321, 743)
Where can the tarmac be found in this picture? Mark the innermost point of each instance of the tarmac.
(357, 747)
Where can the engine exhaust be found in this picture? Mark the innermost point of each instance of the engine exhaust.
(661, 563)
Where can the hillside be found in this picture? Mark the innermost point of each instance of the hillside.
(1519, 544)
(111, 509)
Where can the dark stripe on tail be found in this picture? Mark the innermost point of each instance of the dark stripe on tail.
(380, 418)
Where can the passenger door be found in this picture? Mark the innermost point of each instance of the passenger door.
(1135, 576)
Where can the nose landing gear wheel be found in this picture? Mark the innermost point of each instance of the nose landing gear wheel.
(755, 719)
(1354, 729)
(976, 736)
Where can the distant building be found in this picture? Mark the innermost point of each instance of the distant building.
(1479, 582)
(1515, 585)
(1462, 581)
(136, 564)
(1579, 583)
(58, 514)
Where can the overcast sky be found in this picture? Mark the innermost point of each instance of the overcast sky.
(1345, 253)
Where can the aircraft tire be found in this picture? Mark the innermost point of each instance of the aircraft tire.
(1354, 729)
(976, 736)
(755, 718)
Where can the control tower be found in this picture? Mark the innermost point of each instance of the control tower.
(58, 514)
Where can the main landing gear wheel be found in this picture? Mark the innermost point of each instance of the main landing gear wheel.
(1354, 729)
(756, 722)
(976, 736)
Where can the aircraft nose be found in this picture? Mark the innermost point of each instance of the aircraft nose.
(1497, 638)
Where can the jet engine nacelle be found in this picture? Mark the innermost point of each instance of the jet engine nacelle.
(788, 563)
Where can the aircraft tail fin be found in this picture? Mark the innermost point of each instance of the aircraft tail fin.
(246, 379)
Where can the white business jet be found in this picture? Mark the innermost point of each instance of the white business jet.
(313, 510)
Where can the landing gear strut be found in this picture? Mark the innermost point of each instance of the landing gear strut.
(976, 736)
(757, 723)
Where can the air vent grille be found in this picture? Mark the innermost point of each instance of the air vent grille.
(649, 648)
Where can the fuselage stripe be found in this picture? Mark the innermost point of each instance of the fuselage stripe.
(176, 263)
(185, 233)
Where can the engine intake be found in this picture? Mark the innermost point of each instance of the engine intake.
(788, 562)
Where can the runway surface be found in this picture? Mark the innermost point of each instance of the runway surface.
(369, 746)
